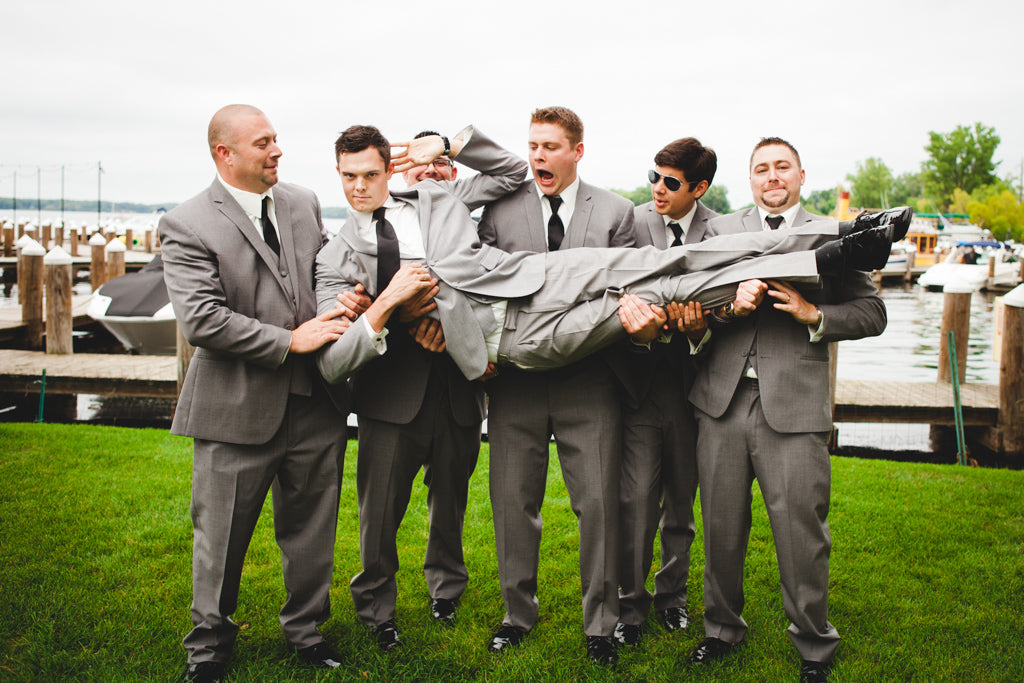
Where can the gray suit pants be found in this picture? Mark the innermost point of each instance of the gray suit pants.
(659, 484)
(574, 313)
(390, 457)
(793, 473)
(302, 463)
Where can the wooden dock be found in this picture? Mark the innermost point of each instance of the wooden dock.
(12, 329)
(89, 373)
(133, 260)
(156, 376)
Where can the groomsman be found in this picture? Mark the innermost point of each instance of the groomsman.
(659, 461)
(579, 405)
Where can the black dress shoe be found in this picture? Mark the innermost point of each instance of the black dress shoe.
(675, 618)
(601, 650)
(709, 650)
(627, 634)
(506, 637)
(204, 672)
(814, 672)
(443, 611)
(899, 218)
(387, 635)
(321, 655)
(866, 250)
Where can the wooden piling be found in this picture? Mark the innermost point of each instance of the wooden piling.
(32, 304)
(73, 242)
(115, 258)
(148, 241)
(1007, 437)
(8, 240)
(19, 247)
(47, 233)
(956, 316)
(58, 301)
(98, 265)
(129, 239)
(58, 237)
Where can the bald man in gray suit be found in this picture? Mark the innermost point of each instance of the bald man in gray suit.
(238, 262)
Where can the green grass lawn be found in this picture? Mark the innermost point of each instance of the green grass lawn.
(95, 553)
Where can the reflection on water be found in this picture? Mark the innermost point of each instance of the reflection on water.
(908, 351)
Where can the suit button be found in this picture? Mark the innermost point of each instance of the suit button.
(284, 273)
(289, 326)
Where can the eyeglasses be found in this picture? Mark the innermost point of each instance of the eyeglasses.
(673, 184)
(442, 162)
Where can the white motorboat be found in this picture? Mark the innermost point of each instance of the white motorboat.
(969, 264)
(136, 309)
(901, 260)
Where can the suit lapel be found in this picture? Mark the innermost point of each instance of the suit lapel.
(576, 231)
(533, 218)
(286, 229)
(655, 225)
(230, 209)
(752, 220)
(698, 226)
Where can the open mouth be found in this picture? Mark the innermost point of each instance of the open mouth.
(545, 176)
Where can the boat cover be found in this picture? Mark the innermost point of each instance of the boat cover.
(138, 294)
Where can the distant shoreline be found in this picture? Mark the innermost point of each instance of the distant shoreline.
(28, 206)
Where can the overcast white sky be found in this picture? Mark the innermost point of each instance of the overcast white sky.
(133, 84)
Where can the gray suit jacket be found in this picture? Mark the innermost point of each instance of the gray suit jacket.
(237, 303)
(391, 387)
(643, 369)
(793, 374)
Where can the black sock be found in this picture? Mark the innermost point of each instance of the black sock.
(829, 258)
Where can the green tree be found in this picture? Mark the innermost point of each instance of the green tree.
(871, 184)
(821, 202)
(961, 159)
(994, 207)
(716, 200)
(906, 189)
(640, 195)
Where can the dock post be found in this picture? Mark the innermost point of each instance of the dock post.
(956, 316)
(98, 265)
(58, 237)
(58, 301)
(47, 235)
(32, 305)
(1008, 435)
(148, 241)
(73, 242)
(129, 239)
(19, 246)
(8, 240)
(115, 258)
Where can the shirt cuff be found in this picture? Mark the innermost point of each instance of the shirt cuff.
(376, 338)
(817, 331)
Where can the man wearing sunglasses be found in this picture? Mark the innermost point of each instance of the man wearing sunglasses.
(659, 465)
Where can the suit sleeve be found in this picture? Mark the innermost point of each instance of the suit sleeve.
(192, 275)
(500, 171)
(623, 233)
(855, 311)
(341, 358)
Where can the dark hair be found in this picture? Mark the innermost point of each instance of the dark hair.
(357, 138)
(425, 133)
(696, 161)
(773, 141)
(564, 117)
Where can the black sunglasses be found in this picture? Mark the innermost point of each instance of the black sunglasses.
(673, 184)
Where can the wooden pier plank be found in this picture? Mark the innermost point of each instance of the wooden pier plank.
(89, 373)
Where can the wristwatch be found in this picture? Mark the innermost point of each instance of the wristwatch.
(447, 147)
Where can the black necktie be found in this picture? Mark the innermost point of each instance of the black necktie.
(269, 234)
(677, 230)
(387, 250)
(773, 221)
(556, 231)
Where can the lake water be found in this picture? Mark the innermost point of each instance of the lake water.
(907, 351)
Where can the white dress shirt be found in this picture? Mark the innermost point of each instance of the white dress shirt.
(252, 205)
